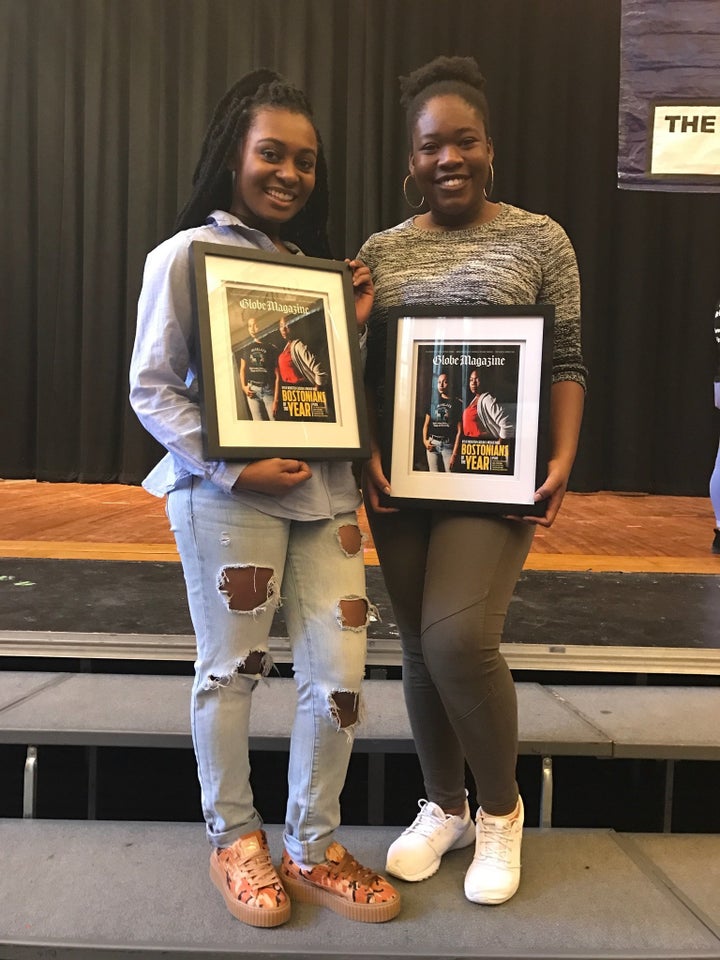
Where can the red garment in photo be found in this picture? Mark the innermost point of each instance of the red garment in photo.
(288, 372)
(470, 422)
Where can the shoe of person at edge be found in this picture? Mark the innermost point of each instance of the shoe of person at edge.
(343, 885)
(494, 874)
(417, 852)
(245, 876)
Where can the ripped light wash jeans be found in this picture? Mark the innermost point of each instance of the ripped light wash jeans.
(315, 574)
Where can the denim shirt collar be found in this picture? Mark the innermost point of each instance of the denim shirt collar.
(222, 218)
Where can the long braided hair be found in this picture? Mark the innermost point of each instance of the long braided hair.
(231, 120)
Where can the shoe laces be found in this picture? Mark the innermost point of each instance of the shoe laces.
(495, 840)
(348, 868)
(426, 822)
(258, 866)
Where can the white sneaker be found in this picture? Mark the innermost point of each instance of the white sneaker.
(494, 874)
(417, 852)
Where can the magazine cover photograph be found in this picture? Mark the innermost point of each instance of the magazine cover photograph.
(466, 408)
(280, 347)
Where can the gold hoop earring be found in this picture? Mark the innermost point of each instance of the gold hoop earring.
(415, 206)
(492, 183)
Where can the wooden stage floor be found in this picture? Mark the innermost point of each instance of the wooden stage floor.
(598, 531)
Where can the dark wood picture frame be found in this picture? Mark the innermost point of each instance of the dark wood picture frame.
(303, 313)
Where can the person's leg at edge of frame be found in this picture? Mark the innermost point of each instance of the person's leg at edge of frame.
(443, 822)
(232, 557)
(327, 610)
(715, 495)
(465, 604)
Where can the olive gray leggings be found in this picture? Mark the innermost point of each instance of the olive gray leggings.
(450, 578)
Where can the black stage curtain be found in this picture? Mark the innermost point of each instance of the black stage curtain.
(103, 104)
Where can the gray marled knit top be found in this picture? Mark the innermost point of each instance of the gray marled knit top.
(516, 258)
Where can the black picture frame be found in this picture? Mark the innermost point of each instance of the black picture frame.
(317, 409)
(500, 439)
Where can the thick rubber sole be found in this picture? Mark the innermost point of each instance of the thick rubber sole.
(489, 901)
(413, 877)
(305, 892)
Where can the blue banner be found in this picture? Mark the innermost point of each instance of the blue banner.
(669, 109)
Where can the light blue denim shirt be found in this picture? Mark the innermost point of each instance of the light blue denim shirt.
(164, 385)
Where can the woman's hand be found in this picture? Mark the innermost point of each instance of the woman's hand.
(566, 408)
(274, 477)
(553, 490)
(374, 483)
(363, 290)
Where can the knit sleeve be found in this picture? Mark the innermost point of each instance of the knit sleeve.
(561, 287)
(377, 323)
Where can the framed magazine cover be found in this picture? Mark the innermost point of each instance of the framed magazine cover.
(280, 370)
(467, 406)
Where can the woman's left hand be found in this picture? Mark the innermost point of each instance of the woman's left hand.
(552, 490)
(566, 406)
(363, 290)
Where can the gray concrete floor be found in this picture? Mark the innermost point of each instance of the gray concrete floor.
(86, 889)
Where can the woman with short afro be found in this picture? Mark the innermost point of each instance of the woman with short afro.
(451, 575)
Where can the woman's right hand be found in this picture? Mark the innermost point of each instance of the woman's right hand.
(374, 483)
(275, 476)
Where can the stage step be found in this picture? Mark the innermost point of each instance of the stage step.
(95, 709)
(119, 710)
(116, 710)
(91, 890)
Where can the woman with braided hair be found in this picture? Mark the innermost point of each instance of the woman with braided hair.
(451, 575)
(249, 532)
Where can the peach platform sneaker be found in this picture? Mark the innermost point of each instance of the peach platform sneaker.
(343, 885)
(245, 876)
